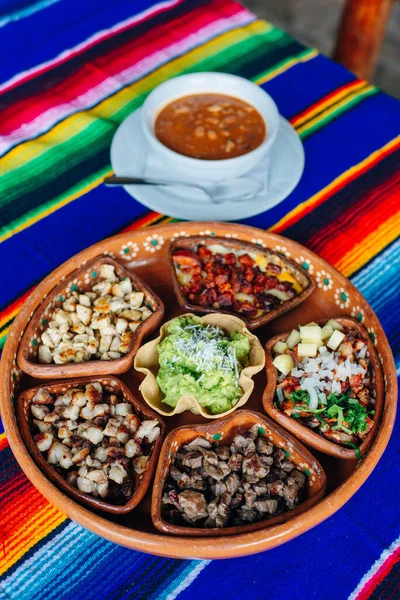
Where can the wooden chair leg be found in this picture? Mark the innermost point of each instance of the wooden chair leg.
(360, 35)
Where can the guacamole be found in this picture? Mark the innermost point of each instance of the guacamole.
(201, 360)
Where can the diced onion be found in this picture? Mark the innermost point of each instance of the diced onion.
(363, 352)
(279, 393)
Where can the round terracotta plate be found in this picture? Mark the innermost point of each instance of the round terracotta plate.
(146, 252)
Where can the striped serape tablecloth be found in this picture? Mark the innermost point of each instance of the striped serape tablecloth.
(70, 72)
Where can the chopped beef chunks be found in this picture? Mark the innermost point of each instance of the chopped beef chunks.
(193, 504)
(235, 461)
(243, 445)
(266, 506)
(197, 443)
(253, 466)
(212, 485)
(299, 477)
(264, 446)
(223, 453)
(194, 460)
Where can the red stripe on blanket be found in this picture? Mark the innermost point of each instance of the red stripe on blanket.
(119, 28)
(343, 181)
(379, 575)
(111, 65)
(357, 222)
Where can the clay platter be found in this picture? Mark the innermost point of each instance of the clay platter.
(145, 251)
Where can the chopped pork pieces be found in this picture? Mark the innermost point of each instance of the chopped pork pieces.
(94, 439)
(98, 324)
(211, 485)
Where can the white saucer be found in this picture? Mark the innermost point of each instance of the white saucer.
(129, 157)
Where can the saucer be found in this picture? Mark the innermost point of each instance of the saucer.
(130, 157)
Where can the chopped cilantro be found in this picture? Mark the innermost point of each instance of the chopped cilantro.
(351, 416)
(315, 411)
(300, 396)
(356, 448)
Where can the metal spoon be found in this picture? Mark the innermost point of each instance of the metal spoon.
(234, 190)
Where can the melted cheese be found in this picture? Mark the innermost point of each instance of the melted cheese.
(285, 276)
(261, 262)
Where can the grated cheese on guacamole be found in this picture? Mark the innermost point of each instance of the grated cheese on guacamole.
(203, 361)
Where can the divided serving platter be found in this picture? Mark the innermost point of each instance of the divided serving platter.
(145, 251)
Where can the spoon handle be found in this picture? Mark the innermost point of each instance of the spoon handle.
(115, 180)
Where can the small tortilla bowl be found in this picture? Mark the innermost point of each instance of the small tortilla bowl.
(146, 361)
(303, 433)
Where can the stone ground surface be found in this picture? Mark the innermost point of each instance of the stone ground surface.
(314, 23)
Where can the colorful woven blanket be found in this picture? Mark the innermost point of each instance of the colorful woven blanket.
(70, 72)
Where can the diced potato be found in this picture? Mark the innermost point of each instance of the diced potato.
(326, 332)
(48, 340)
(307, 349)
(311, 333)
(84, 313)
(136, 299)
(60, 316)
(117, 304)
(335, 340)
(280, 347)
(334, 324)
(108, 272)
(107, 289)
(85, 300)
(44, 355)
(293, 339)
(115, 344)
(242, 297)
(121, 325)
(101, 322)
(105, 342)
(146, 313)
(109, 330)
(55, 336)
(70, 304)
(63, 327)
(116, 290)
(126, 286)
(126, 341)
(131, 315)
(284, 363)
(279, 294)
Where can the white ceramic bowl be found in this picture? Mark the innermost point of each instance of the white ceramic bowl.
(185, 167)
